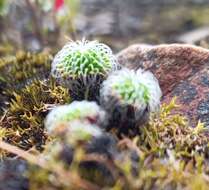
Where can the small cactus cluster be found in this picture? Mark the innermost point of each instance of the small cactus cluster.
(99, 144)
(90, 68)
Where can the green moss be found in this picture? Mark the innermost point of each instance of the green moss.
(199, 16)
(17, 71)
(172, 131)
(6, 49)
(27, 110)
(42, 176)
(173, 155)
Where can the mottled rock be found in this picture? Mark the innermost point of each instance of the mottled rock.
(182, 70)
(13, 175)
(193, 96)
(170, 63)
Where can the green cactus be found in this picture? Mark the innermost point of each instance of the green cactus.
(83, 111)
(128, 96)
(82, 66)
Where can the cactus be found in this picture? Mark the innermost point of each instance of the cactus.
(82, 66)
(129, 96)
(83, 111)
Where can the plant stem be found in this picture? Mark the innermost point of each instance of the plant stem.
(35, 21)
(86, 96)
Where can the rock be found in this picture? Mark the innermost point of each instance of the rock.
(182, 70)
(194, 36)
(13, 175)
(193, 95)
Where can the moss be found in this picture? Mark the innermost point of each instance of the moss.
(6, 50)
(27, 110)
(36, 174)
(199, 15)
(172, 131)
(173, 155)
(17, 71)
(20, 70)
(170, 154)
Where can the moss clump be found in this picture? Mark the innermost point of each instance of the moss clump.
(6, 49)
(199, 16)
(27, 110)
(172, 132)
(173, 155)
(18, 71)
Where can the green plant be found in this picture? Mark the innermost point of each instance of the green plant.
(82, 66)
(128, 96)
(82, 111)
(24, 118)
(18, 71)
(4, 7)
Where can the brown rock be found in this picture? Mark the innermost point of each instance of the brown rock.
(182, 70)
(193, 95)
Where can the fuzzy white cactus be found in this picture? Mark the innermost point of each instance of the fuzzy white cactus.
(82, 111)
(124, 88)
(138, 88)
(82, 131)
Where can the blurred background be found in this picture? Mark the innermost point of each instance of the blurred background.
(38, 25)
